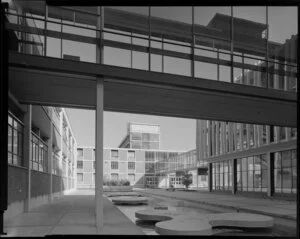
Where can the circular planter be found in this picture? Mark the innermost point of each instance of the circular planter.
(126, 200)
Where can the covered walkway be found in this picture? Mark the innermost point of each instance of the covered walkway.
(72, 214)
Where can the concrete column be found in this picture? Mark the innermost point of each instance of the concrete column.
(233, 176)
(60, 164)
(216, 137)
(197, 179)
(50, 160)
(99, 125)
(209, 135)
(270, 175)
(230, 136)
(248, 135)
(209, 184)
(27, 154)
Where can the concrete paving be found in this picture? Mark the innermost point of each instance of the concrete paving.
(269, 207)
(72, 214)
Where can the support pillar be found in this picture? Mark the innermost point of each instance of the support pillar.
(233, 176)
(27, 154)
(50, 161)
(209, 177)
(270, 175)
(99, 125)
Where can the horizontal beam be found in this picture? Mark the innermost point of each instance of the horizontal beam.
(143, 92)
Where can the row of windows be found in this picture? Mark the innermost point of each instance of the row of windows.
(252, 173)
(244, 136)
(15, 141)
(115, 165)
(114, 154)
(39, 159)
(144, 136)
(39, 149)
(285, 171)
(144, 145)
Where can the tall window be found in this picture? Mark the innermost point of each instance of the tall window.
(114, 165)
(131, 178)
(114, 176)
(55, 166)
(285, 171)
(79, 164)
(131, 155)
(80, 153)
(39, 157)
(131, 165)
(15, 141)
(252, 173)
(114, 153)
(80, 177)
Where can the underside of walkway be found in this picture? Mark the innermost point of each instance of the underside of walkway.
(72, 214)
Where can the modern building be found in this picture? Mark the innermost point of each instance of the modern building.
(135, 165)
(251, 158)
(141, 136)
(225, 69)
(41, 155)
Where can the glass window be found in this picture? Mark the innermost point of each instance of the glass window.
(286, 159)
(80, 152)
(79, 177)
(136, 136)
(79, 164)
(114, 165)
(114, 153)
(131, 154)
(131, 165)
(114, 176)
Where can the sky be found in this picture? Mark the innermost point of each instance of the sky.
(176, 133)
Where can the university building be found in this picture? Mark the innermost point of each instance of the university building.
(134, 160)
(41, 155)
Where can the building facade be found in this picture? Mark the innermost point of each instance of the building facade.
(136, 165)
(248, 158)
(41, 155)
(141, 136)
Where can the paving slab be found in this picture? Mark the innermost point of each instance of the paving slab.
(73, 214)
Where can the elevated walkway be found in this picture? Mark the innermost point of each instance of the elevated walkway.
(73, 214)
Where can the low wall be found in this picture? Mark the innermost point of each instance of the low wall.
(117, 188)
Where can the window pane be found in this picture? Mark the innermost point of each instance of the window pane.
(244, 164)
(264, 178)
(10, 139)
(250, 180)
(277, 157)
(15, 142)
(286, 180)
(257, 179)
(244, 181)
(286, 159)
(277, 180)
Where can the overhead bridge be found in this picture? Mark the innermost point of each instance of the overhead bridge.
(66, 83)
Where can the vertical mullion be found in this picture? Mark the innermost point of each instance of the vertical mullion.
(149, 38)
(267, 46)
(231, 45)
(45, 32)
(193, 43)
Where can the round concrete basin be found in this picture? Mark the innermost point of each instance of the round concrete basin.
(119, 194)
(127, 200)
(181, 223)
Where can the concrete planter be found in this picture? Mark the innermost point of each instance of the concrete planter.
(117, 188)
